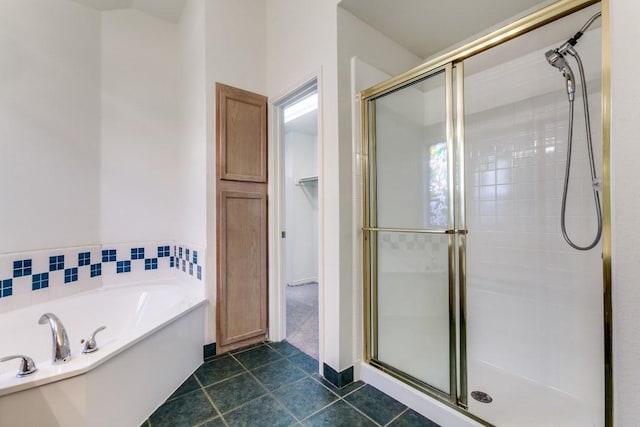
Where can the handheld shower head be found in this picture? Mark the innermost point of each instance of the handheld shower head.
(557, 59)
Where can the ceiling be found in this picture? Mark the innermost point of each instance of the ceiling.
(426, 27)
(169, 10)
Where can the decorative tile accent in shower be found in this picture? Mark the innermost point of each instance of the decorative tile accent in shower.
(412, 252)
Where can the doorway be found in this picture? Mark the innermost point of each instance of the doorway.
(299, 219)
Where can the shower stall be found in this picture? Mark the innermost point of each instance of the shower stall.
(486, 277)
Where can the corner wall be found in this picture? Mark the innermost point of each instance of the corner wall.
(302, 44)
(357, 39)
(49, 125)
(139, 56)
(192, 147)
(625, 175)
(235, 54)
(307, 39)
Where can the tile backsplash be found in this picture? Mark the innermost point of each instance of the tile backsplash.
(33, 277)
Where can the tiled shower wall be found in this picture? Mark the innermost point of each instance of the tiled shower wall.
(534, 303)
(34, 277)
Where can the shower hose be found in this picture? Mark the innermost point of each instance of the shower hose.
(594, 178)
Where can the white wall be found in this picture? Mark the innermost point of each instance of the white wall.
(192, 145)
(301, 161)
(625, 152)
(140, 123)
(356, 38)
(49, 124)
(303, 38)
(301, 43)
(235, 50)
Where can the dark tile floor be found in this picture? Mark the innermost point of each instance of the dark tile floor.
(273, 385)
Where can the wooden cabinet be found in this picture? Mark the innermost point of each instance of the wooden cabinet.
(241, 187)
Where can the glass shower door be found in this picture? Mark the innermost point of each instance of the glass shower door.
(410, 233)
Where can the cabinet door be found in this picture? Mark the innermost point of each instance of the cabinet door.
(242, 135)
(241, 188)
(242, 279)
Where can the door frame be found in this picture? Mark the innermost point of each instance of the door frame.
(277, 247)
(453, 231)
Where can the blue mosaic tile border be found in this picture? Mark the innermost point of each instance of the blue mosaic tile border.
(187, 260)
(6, 288)
(137, 257)
(40, 270)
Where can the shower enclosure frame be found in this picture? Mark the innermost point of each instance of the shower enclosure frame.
(450, 63)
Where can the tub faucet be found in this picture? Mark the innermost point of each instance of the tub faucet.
(61, 350)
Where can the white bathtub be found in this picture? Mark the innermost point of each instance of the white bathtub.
(153, 341)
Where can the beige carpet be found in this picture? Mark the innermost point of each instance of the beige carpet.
(302, 318)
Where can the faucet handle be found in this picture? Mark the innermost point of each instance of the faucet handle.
(90, 345)
(26, 364)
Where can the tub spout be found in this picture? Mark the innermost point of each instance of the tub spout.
(61, 350)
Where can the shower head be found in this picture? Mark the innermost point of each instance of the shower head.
(567, 47)
(557, 59)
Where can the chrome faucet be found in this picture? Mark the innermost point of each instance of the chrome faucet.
(61, 350)
(90, 345)
(27, 367)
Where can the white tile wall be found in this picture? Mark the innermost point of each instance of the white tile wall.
(534, 304)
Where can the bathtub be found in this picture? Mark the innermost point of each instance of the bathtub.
(153, 342)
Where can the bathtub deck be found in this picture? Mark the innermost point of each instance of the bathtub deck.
(276, 385)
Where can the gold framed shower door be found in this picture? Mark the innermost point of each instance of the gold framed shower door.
(452, 64)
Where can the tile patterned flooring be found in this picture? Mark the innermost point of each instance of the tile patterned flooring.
(274, 385)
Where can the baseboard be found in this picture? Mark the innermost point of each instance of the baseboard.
(436, 411)
(338, 379)
(306, 281)
(209, 350)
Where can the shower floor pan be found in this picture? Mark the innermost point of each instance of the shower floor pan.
(524, 403)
